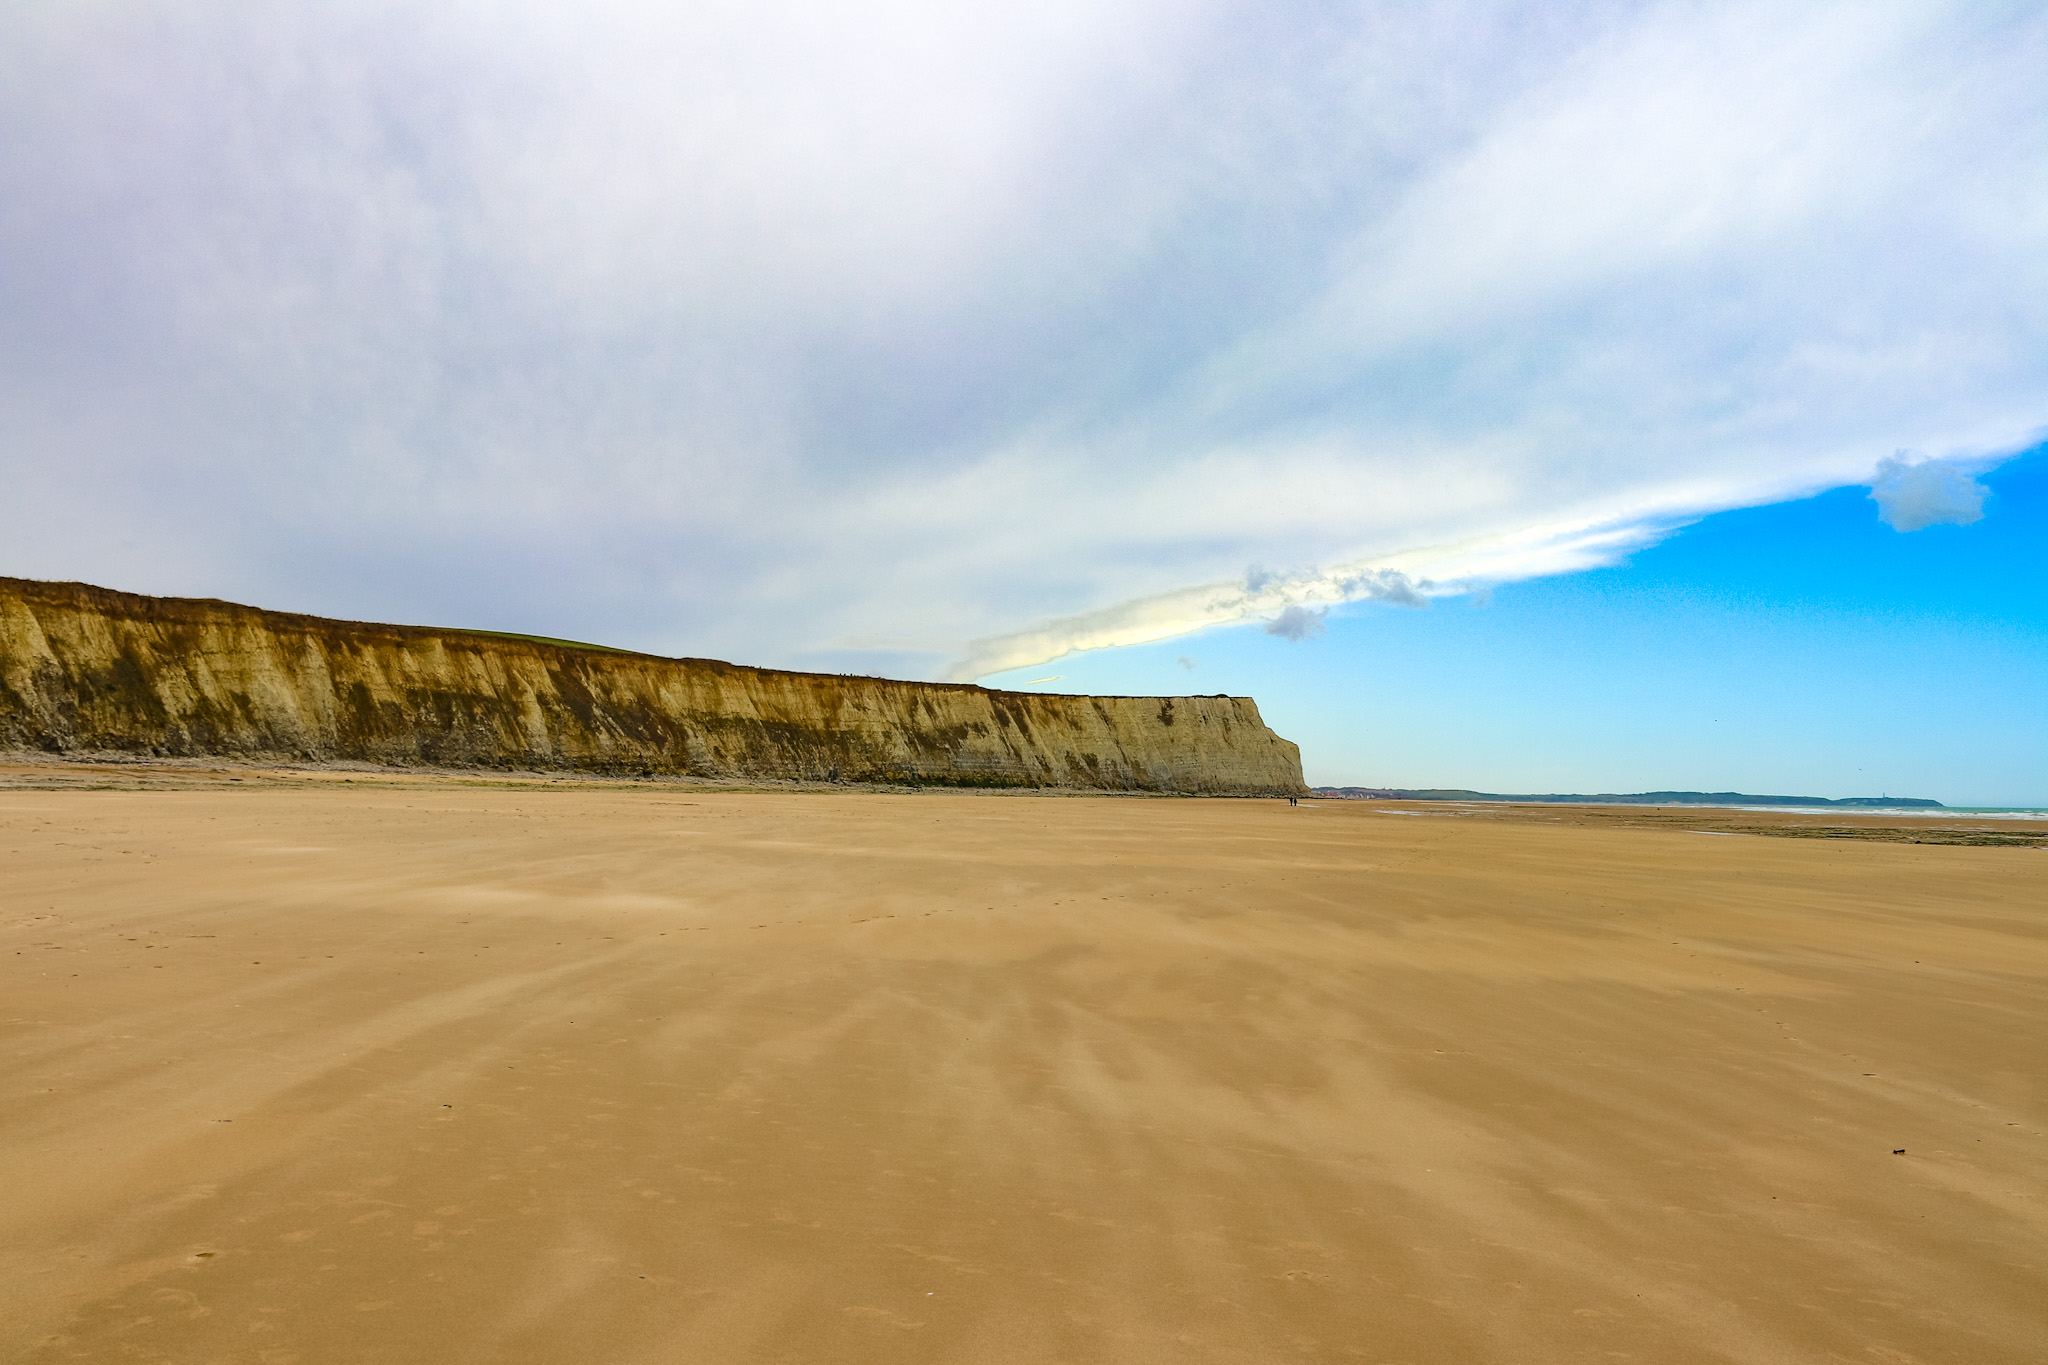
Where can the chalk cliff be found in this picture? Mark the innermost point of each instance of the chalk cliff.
(85, 669)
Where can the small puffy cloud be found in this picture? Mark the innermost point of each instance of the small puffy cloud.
(1913, 495)
(1297, 623)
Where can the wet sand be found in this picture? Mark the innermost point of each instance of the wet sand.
(337, 1069)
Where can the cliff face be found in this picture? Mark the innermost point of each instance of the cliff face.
(87, 669)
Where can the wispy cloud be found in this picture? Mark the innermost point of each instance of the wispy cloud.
(1408, 579)
(940, 339)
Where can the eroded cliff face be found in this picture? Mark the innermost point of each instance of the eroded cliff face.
(85, 669)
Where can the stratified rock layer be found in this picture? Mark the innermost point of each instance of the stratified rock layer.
(85, 669)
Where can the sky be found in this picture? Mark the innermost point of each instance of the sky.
(1005, 342)
(1804, 648)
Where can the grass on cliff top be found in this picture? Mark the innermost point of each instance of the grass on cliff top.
(551, 640)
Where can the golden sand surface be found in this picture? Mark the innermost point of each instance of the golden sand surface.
(334, 1068)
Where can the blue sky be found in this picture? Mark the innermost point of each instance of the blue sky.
(946, 341)
(1803, 647)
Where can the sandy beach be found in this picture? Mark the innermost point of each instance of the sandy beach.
(345, 1069)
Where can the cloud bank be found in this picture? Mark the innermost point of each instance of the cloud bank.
(929, 341)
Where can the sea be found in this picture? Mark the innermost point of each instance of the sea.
(1931, 813)
(1922, 812)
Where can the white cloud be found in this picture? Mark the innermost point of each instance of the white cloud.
(1408, 579)
(1912, 496)
(936, 339)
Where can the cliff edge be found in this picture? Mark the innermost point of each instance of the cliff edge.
(86, 669)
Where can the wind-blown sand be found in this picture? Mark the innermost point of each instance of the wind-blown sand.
(411, 1071)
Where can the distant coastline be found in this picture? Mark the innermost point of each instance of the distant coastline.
(1629, 798)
